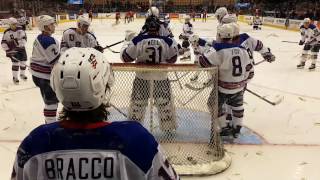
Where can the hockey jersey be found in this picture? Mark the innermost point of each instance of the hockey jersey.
(67, 150)
(251, 44)
(233, 62)
(187, 29)
(71, 38)
(45, 54)
(13, 39)
(310, 35)
(150, 49)
(202, 47)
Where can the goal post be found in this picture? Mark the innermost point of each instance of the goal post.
(176, 110)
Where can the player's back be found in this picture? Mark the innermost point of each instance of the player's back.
(101, 150)
(234, 62)
(152, 49)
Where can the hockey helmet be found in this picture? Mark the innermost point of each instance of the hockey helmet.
(225, 31)
(220, 13)
(12, 21)
(82, 79)
(153, 11)
(82, 20)
(236, 29)
(229, 18)
(45, 20)
(152, 24)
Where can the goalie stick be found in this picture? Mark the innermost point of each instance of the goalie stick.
(119, 110)
(109, 46)
(264, 99)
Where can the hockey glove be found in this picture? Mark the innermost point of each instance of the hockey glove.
(268, 56)
(99, 48)
(301, 42)
(130, 35)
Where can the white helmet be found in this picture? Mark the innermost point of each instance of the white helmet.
(45, 20)
(82, 20)
(220, 13)
(194, 39)
(12, 21)
(236, 29)
(229, 18)
(82, 79)
(153, 11)
(225, 31)
(306, 20)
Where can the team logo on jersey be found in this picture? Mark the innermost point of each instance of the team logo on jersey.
(93, 61)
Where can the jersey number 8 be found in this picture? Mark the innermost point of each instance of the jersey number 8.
(237, 68)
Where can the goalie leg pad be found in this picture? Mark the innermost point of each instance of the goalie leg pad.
(139, 99)
(165, 106)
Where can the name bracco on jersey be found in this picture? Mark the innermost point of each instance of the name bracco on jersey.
(71, 38)
(233, 62)
(150, 49)
(46, 52)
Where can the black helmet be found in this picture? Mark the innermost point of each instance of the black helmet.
(152, 24)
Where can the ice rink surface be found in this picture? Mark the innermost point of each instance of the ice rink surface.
(290, 130)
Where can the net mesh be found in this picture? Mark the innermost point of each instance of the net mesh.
(178, 105)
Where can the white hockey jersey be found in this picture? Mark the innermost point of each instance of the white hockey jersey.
(68, 150)
(251, 44)
(71, 38)
(201, 48)
(187, 29)
(13, 39)
(149, 49)
(310, 35)
(233, 62)
(22, 21)
(45, 53)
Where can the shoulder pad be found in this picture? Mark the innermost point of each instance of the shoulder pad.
(221, 46)
(46, 41)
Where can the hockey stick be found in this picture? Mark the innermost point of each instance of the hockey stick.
(113, 50)
(109, 46)
(291, 42)
(260, 62)
(178, 79)
(194, 96)
(121, 112)
(264, 99)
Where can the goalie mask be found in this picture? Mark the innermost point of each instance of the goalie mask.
(153, 11)
(152, 24)
(82, 79)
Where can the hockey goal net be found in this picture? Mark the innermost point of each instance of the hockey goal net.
(175, 110)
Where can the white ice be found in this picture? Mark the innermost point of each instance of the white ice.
(291, 129)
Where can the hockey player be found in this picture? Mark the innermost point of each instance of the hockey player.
(153, 13)
(251, 45)
(80, 36)
(117, 17)
(83, 145)
(256, 23)
(199, 46)
(45, 53)
(13, 42)
(310, 37)
(220, 13)
(22, 20)
(233, 62)
(151, 49)
(187, 31)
